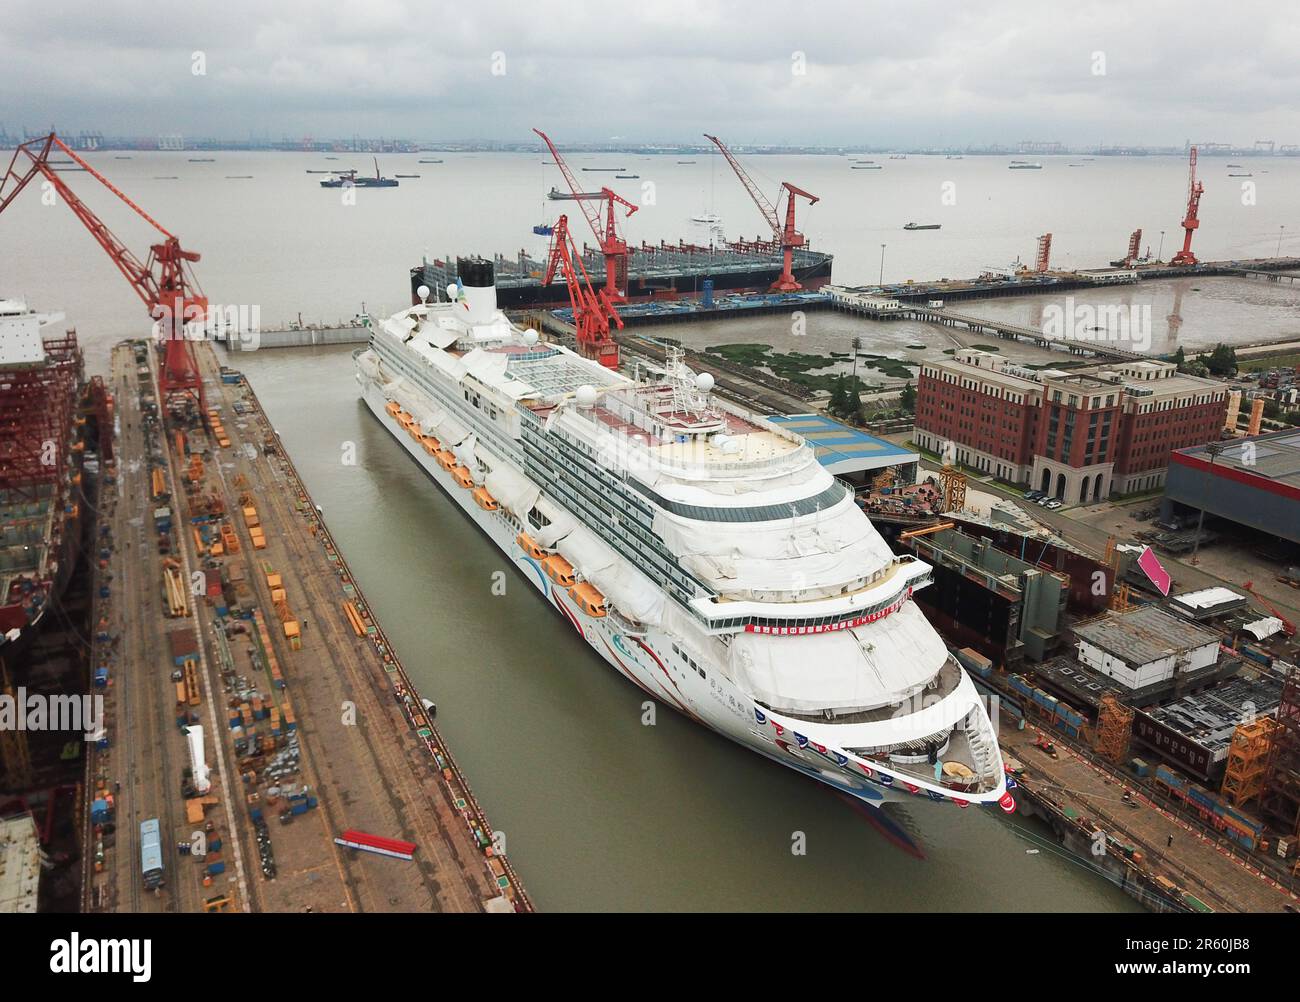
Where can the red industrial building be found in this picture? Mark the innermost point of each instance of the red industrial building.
(1080, 435)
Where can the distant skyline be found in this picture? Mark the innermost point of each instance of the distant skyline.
(924, 74)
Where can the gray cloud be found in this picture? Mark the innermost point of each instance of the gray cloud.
(924, 72)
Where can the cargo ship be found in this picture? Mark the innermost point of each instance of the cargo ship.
(700, 550)
(41, 460)
(655, 271)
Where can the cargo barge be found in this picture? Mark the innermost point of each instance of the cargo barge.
(662, 271)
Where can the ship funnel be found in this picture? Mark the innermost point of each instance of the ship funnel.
(478, 291)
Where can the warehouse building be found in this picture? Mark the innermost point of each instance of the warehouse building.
(1146, 647)
(1254, 482)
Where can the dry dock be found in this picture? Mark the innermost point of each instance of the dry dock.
(250, 624)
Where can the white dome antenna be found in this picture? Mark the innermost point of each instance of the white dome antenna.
(530, 337)
(704, 382)
(423, 293)
(452, 291)
(586, 396)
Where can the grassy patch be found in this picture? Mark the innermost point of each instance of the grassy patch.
(1266, 363)
(795, 366)
(986, 347)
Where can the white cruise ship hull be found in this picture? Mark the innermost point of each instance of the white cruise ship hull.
(648, 661)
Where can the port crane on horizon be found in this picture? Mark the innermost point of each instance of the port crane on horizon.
(611, 243)
(788, 237)
(593, 309)
(164, 281)
(1190, 222)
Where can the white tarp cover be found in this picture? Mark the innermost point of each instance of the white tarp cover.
(399, 326)
(450, 431)
(561, 524)
(822, 553)
(1264, 628)
(464, 451)
(585, 552)
(631, 593)
(438, 336)
(515, 492)
(867, 666)
(488, 366)
(429, 425)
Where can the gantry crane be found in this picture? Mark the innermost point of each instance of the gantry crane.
(788, 237)
(164, 281)
(593, 309)
(1190, 222)
(611, 244)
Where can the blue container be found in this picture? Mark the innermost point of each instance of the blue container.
(214, 868)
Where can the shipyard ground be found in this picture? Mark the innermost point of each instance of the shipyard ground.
(360, 754)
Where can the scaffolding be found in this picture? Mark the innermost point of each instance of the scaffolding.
(1279, 800)
(1243, 780)
(953, 482)
(1114, 728)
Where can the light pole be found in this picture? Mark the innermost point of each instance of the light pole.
(882, 264)
(1212, 449)
(1161, 251)
(1279, 239)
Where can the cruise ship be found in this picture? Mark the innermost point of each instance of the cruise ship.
(700, 550)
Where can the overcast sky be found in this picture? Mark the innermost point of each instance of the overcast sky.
(903, 73)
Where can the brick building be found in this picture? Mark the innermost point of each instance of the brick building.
(1079, 435)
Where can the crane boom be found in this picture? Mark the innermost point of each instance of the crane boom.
(1191, 221)
(611, 245)
(163, 281)
(593, 310)
(785, 234)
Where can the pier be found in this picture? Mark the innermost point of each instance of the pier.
(224, 576)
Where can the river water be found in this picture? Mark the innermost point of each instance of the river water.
(600, 810)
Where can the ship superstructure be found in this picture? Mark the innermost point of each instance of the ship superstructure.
(40, 469)
(699, 549)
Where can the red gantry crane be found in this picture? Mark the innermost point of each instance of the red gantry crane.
(593, 309)
(164, 281)
(788, 237)
(1194, 191)
(611, 244)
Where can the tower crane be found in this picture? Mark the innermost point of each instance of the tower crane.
(164, 281)
(611, 244)
(1190, 223)
(593, 310)
(788, 237)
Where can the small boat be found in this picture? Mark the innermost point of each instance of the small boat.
(121, 158)
(350, 179)
(954, 156)
(430, 161)
(239, 177)
(322, 172)
(203, 160)
(898, 156)
(865, 167)
(603, 170)
(922, 226)
(166, 177)
(1240, 174)
(686, 161)
(331, 158)
(627, 177)
(711, 218)
(543, 229)
(1234, 165)
(406, 175)
(1021, 165)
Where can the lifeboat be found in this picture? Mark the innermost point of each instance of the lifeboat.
(559, 570)
(392, 407)
(462, 476)
(485, 500)
(589, 599)
(529, 546)
(446, 459)
(431, 444)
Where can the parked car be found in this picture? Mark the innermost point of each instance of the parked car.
(1033, 495)
(1053, 504)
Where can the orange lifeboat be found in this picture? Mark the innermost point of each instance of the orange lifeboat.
(529, 546)
(559, 570)
(589, 599)
(485, 500)
(392, 407)
(431, 444)
(446, 459)
(462, 476)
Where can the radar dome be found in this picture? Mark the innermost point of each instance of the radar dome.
(704, 382)
(452, 291)
(586, 395)
(530, 336)
(423, 293)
